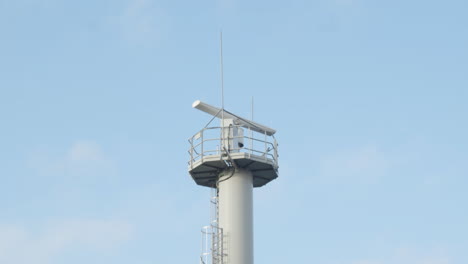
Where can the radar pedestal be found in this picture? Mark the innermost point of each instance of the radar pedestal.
(232, 159)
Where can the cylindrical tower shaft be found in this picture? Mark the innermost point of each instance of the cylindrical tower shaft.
(236, 215)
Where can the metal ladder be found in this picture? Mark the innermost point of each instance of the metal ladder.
(212, 235)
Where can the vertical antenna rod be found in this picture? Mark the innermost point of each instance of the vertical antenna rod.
(222, 75)
(222, 91)
(252, 109)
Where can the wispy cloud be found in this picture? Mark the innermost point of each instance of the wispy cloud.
(19, 245)
(410, 256)
(81, 158)
(364, 164)
(346, 3)
(85, 151)
(340, 14)
(226, 5)
(142, 21)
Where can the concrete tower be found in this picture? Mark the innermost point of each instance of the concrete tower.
(232, 163)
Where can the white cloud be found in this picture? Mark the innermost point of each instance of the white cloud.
(85, 151)
(366, 262)
(365, 164)
(411, 256)
(346, 2)
(21, 246)
(142, 21)
(226, 5)
(81, 159)
(340, 14)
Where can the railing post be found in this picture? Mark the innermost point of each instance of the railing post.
(276, 152)
(191, 153)
(251, 140)
(202, 142)
(266, 147)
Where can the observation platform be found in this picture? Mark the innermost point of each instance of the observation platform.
(255, 152)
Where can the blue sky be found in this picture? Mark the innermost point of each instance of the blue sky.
(369, 99)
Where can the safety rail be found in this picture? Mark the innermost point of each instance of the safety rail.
(212, 235)
(212, 245)
(209, 142)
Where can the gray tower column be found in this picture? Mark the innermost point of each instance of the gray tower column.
(236, 215)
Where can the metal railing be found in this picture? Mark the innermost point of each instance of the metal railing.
(210, 142)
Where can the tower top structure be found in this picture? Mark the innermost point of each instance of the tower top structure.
(215, 149)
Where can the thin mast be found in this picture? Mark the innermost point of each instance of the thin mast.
(222, 92)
